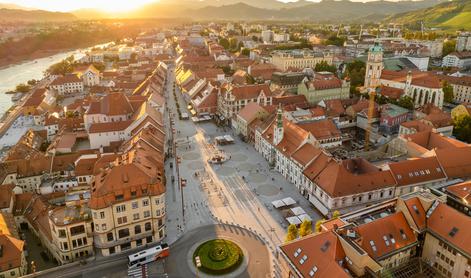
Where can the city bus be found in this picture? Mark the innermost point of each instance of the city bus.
(148, 255)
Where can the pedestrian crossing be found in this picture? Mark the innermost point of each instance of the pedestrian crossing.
(138, 272)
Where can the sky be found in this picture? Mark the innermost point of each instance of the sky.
(104, 5)
(70, 5)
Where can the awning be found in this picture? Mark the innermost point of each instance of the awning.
(324, 210)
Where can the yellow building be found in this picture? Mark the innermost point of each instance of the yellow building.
(12, 257)
(128, 204)
(299, 59)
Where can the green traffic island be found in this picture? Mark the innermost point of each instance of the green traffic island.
(218, 257)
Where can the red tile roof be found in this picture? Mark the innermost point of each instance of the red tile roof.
(387, 234)
(414, 171)
(452, 226)
(322, 252)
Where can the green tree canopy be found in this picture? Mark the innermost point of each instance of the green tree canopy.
(448, 47)
(324, 66)
(334, 40)
(406, 102)
(22, 88)
(448, 92)
(61, 68)
(462, 128)
(224, 43)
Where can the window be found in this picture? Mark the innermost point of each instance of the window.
(121, 208)
(102, 214)
(146, 214)
(123, 233)
(158, 212)
(148, 226)
(137, 229)
(103, 226)
(62, 233)
(77, 230)
(109, 236)
(145, 202)
(134, 205)
(135, 216)
(157, 201)
(74, 243)
(66, 246)
(122, 220)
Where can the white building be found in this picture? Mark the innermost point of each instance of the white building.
(457, 60)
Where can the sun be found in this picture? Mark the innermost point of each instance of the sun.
(121, 5)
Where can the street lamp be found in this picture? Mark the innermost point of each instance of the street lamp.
(198, 264)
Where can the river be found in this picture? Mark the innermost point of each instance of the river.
(21, 73)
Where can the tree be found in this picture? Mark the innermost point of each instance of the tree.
(22, 88)
(324, 66)
(318, 225)
(462, 128)
(447, 92)
(406, 102)
(336, 214)
(305, 228)
(245, 52)
(292, 233)
(334, 40)
(224, 43)
(32, 82)
(356, 72)
(61, 68)
(448, 47)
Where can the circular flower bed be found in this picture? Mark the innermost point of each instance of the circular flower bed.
(218, 256)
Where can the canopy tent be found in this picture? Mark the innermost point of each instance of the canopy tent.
(298, 211)
(293, 220)
(278, 204)
(303, 217)
(288, 201)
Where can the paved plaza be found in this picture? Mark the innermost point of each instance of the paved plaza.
(238, 192)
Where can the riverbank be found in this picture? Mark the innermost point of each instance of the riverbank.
(18, 60)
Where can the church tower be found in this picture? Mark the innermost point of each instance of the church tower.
(278, 132)
(374, 66)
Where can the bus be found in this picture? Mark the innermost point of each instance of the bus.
(148, 255)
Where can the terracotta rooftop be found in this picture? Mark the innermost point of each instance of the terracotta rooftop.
(383, 236)
(112, 105)
(417, 212)
(250, 91)
(419, 170)
(12, 250)
(251, 111)
(68, 78)
(452, 226)
(322, 129)
(461, 191)
(419, 78)
(455, 161)
(319, 254)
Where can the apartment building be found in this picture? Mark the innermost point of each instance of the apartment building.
(128, 203)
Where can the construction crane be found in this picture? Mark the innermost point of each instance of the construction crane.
(371, 111)
(361, 31)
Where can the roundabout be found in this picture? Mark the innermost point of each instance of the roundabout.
(218, 256)
(233, 251)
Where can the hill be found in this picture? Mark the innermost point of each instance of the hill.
(11, 15)
(449, 15)
(324, 11)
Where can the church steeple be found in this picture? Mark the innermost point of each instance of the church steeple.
(278, 132)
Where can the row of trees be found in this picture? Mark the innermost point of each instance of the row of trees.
(306, 228)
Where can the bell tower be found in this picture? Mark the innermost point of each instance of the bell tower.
(278, 132)
(374, 66)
